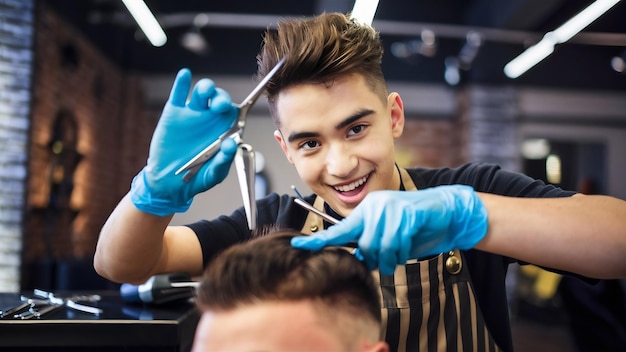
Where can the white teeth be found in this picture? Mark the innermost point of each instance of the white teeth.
(351, 186)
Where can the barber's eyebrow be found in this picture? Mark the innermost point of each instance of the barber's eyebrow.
(301, 135)
(346, 122)
(360, 114)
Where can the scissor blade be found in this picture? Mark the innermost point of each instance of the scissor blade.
(244, 162)
(15, 309)
(260, 88)
(201, 157)
(312, 209)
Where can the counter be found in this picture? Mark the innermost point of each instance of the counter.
(120, 327)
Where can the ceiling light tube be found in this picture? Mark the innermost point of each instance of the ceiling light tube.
(565, 32)
(146, 21)
(577, 23)
(529, 58)
(364, 11)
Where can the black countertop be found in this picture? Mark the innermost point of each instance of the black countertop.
(121, 326)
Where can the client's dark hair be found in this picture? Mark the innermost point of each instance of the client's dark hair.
(268, 268)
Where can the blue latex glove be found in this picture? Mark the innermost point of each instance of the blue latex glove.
(184, 129)
(392, 227)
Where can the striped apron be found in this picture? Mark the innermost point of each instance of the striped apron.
(427, 305)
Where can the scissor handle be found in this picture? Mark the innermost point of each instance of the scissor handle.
(236, 130)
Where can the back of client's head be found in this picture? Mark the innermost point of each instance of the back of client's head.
(268, 269)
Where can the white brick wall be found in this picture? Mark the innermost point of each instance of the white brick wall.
(16, 36)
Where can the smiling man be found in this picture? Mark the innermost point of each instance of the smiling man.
(342, 140)
(439, 241)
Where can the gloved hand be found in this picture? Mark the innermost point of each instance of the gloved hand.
(184, 129)
(392, 227)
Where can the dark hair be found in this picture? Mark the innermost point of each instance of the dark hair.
(269, 269)
(319, 50)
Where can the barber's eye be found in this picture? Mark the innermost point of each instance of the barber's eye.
(309, 145)
(356, 130)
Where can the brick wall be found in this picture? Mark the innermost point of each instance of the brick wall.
(72, 190)
(16, 56)
(431, 142)
(483, 129)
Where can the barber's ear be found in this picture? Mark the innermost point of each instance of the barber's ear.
(396, 113)
(278, 136)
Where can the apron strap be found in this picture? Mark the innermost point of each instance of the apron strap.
(406, 180)
(314, 222)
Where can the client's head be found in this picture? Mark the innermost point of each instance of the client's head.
(265, 295)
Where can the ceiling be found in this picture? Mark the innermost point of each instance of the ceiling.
(233, 31)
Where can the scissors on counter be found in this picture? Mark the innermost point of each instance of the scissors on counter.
(35, 308)
(244, 159)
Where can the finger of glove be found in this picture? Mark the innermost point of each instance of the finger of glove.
(369, 239)
(202, 92)
(345, 231)
(221, 101)
(391, 243)
(216, 169)
(228, 150)
(180, 88)
(406, 242)
(222, 160)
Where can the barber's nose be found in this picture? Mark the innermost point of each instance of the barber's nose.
(340, 161)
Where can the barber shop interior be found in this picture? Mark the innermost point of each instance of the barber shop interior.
(468, 155)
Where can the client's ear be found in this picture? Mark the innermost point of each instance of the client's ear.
(380, 346)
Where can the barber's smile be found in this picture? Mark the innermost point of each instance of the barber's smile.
(349, 190)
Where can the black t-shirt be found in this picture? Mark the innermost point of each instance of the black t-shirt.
(488, 271)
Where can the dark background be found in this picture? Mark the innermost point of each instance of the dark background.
(234, 31)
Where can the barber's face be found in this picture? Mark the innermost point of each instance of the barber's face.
(268, 326)
(340, 137)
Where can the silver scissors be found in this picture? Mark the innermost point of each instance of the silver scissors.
(246, 173)
(244, 159)
(236, 131)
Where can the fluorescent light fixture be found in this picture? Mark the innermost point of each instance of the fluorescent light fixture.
(565, 32)
(364, 11)
(528, 58)
(582, 20)
(146, 21)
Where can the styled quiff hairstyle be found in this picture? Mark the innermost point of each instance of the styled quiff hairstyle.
(269, 269)
(320, 49)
